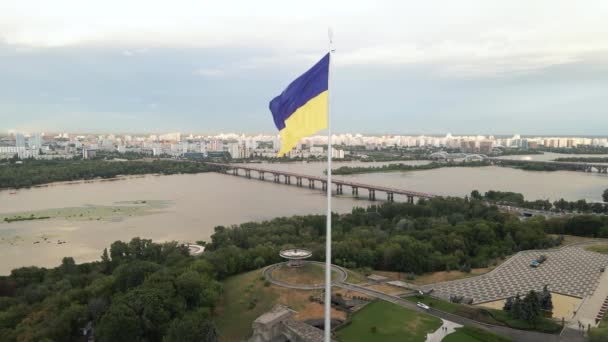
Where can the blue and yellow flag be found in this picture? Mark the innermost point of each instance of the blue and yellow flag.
(301, 109)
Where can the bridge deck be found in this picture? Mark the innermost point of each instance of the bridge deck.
(334, 180)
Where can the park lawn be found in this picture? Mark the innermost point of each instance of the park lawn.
(490, 316)
(234, 314)
(470, 334)
(384, 321)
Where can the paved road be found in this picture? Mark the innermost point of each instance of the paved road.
(516, 335)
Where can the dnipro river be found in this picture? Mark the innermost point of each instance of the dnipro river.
(195, 204)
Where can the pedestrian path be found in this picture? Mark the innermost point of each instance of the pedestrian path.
(446, 328)
(589, 309)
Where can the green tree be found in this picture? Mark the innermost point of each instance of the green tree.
(605, 195)
(531, 308)
(193, 327)
(546, 301)
(119, 324)
(132, 274)
(190, 286)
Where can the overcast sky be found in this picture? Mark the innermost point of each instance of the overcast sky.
(529, 67)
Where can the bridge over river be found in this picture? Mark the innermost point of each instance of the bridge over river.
(313, 182)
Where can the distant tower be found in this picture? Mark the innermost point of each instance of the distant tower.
(19, 140)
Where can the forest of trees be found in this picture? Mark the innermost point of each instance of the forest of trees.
(139, 291)
(144, 291)
(35, 172)
(434, 235)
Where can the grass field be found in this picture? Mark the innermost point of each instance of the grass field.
(384, 321)
(470, 334)
(496, 317)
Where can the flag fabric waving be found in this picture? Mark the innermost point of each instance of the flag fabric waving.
(301, 109)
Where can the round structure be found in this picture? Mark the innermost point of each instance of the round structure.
(295, 256)
(195, 250)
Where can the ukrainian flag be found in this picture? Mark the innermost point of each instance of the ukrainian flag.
(301, 109)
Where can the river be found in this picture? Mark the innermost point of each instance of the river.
(192, 205)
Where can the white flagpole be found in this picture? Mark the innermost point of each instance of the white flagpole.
(328, 229)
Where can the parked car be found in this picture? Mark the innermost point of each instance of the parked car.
(422, 305)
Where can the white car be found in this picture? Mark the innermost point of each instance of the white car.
(422, 305)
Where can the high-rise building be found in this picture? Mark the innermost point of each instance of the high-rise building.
(19, 140)
(35, 141)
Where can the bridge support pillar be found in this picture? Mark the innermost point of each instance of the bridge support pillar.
(372, 194)
(355, 191)
(261, 175)
(235, 172)
(390, 196)
(299, 181)
(276, 178)
(311, 183)
(248, 174)
(287, 179)
(410, 199)
(324, 185)
(339, 189)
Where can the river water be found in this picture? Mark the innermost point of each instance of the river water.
(195, 204)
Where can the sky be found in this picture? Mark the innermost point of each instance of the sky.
(415, 67)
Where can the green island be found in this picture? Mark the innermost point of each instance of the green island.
(352, 170)
(18, 218)
(517, 200)
(141, 290)
(37, 172)
(575, 150)
(117, 211)
(583, 159)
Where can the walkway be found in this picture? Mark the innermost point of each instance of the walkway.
(446, 328)
(591, 305)
(341, 276)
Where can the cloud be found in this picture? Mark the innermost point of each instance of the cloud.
(210, 72)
